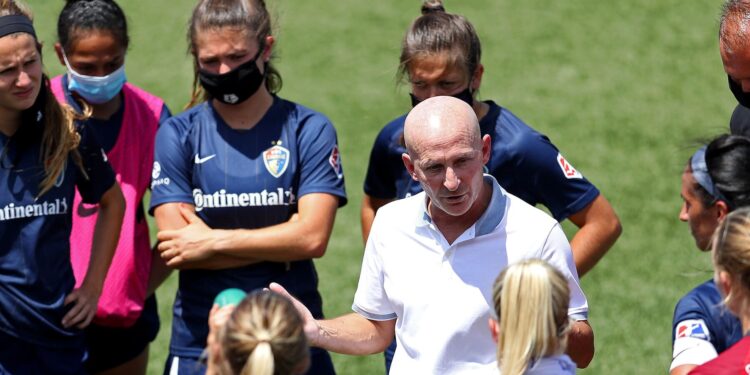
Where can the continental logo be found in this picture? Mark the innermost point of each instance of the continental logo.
(221, 198)
(11, 211)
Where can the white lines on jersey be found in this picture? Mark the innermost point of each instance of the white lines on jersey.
(201, 160)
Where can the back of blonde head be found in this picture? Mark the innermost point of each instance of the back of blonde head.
(264, 336)
(531, 302)
(731, 253)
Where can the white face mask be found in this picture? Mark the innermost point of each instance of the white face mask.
(95, 90)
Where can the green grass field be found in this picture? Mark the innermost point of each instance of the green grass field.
(624, 89)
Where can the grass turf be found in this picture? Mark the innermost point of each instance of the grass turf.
(622, 88)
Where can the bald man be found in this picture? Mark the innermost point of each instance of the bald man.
(431, 259)
(734, 47)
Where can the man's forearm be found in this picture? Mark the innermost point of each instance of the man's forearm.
(353, 334)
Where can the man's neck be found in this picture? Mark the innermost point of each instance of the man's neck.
(451, 227)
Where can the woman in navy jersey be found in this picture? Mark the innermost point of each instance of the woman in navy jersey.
(730, 248)
(441, 55)
(92, 44)
(715, 182)
(245, 184)
(44, 158)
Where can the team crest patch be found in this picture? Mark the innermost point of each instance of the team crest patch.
(692, 328)
(335, 160)
(276, 160)
(567, 168)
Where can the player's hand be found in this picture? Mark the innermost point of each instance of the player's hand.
(312, 329)
(85, 300)
(191, 243)
(217, 318)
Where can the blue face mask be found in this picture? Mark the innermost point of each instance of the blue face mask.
(96, 90)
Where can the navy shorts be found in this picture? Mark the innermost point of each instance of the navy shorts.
(110, 347)
(320, 364)
(21, 357)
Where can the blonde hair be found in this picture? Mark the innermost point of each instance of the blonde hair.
(531, 302)
(731, 253)
(59, 136)
(264, 336)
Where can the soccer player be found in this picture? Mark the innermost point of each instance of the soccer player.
(531, 306)
(715, 182)
(441, 55)
(731, 258)
(734, 48)
(43, 160)
(92, 44)
(245, 184)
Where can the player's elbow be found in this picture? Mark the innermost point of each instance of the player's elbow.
(315, 246)
(581, 344)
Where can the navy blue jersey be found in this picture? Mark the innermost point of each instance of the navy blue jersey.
(243, 179)
(703, 303)
(105, 131)
(35, 270)
(523, 161)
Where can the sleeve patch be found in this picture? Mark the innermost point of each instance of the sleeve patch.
(692, 328)
(567, 168)
(335, 161)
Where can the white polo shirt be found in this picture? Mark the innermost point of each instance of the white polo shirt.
(441, 294)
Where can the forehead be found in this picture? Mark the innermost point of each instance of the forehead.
(736, 62)
(688, 185)
(215, 41)
(11, 46)
(444, 144)
(434, 66)
(96, 43)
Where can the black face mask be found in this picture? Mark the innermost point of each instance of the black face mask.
(464, 95)
(741, 96)
(235, 86)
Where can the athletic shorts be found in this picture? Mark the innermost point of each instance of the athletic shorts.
(109, 347)
(21, 357)
(321, 364)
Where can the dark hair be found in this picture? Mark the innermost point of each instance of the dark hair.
(728, 164)
(80, 16)
(245, 16)
(437, 31)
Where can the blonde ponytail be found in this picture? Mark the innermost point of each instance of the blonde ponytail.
(264, 336)
(531, 302)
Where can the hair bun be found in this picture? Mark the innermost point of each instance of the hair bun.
(432, 6)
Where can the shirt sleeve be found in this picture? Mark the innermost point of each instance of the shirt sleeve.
(558, 254)
(320, 160)
(545, 176)
(371, 300)
(99, 174)
(171, 175)
(165, 115)
(380, 181)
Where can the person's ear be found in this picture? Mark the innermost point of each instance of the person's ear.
(409, 165)
(268, 48)
(476, 78)
(486, 148)
(494, 329)
(722, 210)
(59, 53)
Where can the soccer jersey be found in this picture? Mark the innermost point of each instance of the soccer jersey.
(243, 179)
(35, 270)
(700, 318)
(523, 161)
(735, 360)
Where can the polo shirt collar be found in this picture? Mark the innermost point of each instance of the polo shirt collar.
(491, 217)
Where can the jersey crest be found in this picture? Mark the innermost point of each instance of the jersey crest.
(695, 328)
(567, 168)
(276, 160)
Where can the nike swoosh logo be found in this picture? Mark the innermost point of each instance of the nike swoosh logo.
(201, 160)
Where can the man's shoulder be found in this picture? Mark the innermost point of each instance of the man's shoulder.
(519, 214)
(401, 210)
